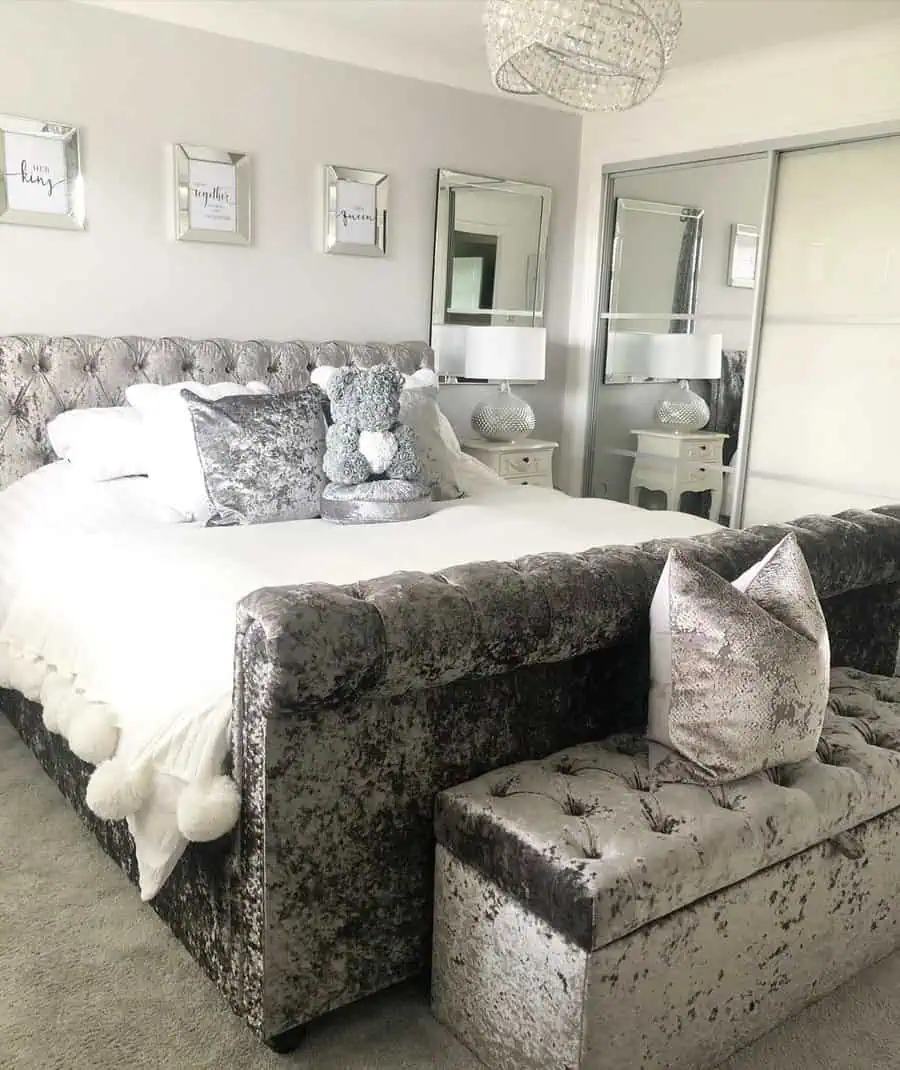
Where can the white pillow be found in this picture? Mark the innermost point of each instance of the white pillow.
(59, 496)
(172, 462)
(103, 443)
(419, 410)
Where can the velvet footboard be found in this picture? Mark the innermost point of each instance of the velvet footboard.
(354, 706)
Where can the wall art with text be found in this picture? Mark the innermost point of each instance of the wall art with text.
(355, 211)
(212, 195)
(41, 184)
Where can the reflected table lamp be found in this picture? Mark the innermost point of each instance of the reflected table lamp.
(504, 354)
(671, 356)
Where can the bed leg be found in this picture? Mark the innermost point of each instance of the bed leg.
(286, 1042)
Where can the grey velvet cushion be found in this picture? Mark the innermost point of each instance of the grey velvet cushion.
(739, 672)
(261, 455)
(381, 501)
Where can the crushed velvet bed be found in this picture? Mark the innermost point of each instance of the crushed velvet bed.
(354, 706)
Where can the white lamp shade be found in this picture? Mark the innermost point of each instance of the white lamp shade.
(505, 353)
(640, 355)
(448, 340)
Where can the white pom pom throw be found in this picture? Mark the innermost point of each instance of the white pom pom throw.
(92, 732)
(114, 791)
(207, 810)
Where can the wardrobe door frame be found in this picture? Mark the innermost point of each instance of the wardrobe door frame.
(774, 149)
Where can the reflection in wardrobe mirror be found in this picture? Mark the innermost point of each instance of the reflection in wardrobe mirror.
(490, 254)
(653, 278)
(667, 268)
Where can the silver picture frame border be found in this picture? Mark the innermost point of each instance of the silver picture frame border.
(184, 155)
(742, 232)
(74, 218)
(335, 174)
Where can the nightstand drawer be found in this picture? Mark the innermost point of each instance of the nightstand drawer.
(699, 476)
(692, 451)
(526, 463)
(533, 481)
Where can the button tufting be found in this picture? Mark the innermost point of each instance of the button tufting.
(631, 745)
(723, 801)
(272, 369)
(573, 807)
(229, 369)
(848, 845)
(187, 364)
(636, 780)
(827, 754)
(503, 787)
(663, 824)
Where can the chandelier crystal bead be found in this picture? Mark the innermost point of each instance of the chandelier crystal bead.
(592, 55)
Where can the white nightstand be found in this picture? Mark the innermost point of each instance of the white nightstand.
(676, 461)
(528, 461)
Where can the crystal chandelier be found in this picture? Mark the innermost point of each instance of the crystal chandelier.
(593, 55)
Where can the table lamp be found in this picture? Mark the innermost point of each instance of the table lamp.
(505, 353)
(683, 357)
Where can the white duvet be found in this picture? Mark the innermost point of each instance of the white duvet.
(124, 628)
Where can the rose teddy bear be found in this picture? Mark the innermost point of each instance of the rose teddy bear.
(365, 439)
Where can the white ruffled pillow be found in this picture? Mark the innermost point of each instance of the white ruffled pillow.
(102, 443)
(438, 444)
(172, 461)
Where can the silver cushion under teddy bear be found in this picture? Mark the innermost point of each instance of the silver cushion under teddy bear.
(371, 459)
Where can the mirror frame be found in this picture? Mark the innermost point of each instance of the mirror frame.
(448, 181)
(609, 267)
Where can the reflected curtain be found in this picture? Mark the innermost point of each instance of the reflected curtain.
(682, 299)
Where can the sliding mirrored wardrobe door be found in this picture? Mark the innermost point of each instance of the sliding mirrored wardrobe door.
(825, 426)
(677, 293)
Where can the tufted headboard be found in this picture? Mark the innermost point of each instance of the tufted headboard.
(40, 376)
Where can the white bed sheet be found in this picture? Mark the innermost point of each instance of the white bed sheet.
(143, 617)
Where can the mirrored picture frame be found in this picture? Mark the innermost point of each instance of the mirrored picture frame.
(213, 195)
(41, 182)
(356, 211)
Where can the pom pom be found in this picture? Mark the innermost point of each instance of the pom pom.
(424, 377)
(378, 448)
(27, 674)
(55, 692)
(208, 810)
(321, 375)
(114, 791)
(92, 732)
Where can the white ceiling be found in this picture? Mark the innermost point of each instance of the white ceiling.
(442, 40)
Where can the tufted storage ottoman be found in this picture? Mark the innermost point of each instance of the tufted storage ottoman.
(586, 918)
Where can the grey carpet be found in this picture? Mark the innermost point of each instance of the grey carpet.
(91, 980)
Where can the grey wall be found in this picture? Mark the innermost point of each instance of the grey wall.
(729, 192)
(134, 86)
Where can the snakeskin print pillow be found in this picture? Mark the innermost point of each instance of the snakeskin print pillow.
(738, 672)
(261, 455)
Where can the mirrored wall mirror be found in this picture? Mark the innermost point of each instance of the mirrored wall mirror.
(654, 271)
(490, 258)
(674, 327)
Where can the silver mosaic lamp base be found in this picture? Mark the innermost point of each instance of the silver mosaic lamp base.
(503, 417)
(680, 409)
